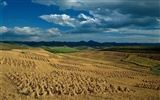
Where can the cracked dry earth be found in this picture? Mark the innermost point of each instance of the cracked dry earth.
(38, 74)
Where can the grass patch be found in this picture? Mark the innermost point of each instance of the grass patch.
(7, 46)
(134, 49)
(143, 61)
(155, 69)
(62, 50)
(84, 48)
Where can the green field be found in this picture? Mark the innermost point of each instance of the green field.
(84, 48)
(62, 50)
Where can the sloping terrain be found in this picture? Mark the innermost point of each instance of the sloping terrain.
(143, 61)
(7, 46)
(37, 74)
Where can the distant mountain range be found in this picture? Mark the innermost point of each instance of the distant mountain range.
(90, 43)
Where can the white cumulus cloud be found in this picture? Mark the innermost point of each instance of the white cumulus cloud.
(86, 19)
(80, 21)
(64, 20)
(119, 13)
(3, 29)
(53, 32)
(28, 33)
(26, 30)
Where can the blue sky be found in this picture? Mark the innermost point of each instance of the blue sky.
(80, 20)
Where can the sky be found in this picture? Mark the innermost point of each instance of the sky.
(80, 20)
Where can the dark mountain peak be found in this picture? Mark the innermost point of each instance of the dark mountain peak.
(91, 41)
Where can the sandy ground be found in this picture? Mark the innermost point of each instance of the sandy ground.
(38, 74)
